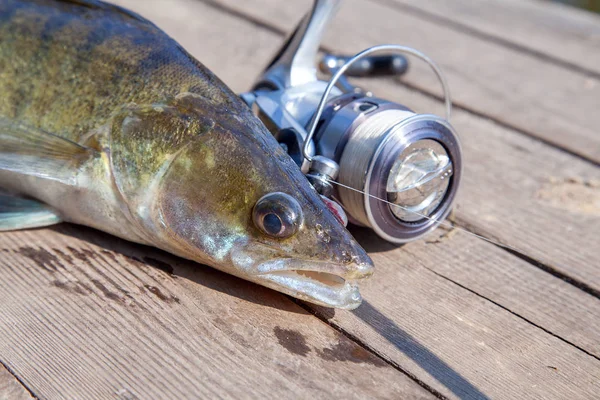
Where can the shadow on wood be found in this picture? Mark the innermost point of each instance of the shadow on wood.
(416, 351)
(179, 267)
(420, 354)
(370, 241)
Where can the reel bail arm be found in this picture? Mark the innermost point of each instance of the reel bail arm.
(391, 169)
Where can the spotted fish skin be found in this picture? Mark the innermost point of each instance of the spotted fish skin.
(94, 57)
(122, 130)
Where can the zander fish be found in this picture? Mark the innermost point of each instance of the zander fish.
(106, 121)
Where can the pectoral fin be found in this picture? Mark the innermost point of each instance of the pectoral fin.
(31, 151)
(19, 213)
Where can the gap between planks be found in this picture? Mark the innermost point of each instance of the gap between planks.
(512, 312)
(554, 118)
(584, 287)
(509, 44)
(12, 387)
(261, 23)
(276, 31)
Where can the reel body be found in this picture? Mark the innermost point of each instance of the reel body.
(391, 169)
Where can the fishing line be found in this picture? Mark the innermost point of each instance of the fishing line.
(441, 222)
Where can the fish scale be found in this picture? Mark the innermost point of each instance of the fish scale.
(94, 58)
(107, 122)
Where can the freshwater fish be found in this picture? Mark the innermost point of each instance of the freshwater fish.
(106, 121)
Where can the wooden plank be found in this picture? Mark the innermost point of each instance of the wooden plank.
(441, 349)
(517, 285)
(458, 342)
(526, 291)
(520, 90)
(81, 317)
(537, 199)
(10, 388)
(79, 320)
(556, 32)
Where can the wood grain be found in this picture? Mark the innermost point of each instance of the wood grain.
(10, 388)
(530, 196)
(456, 340)
(113, 320)
(537, 199)
(516, 285)
(493, 274)
(541, 99)
(556, 32)
(453, 314)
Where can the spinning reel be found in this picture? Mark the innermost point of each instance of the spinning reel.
(391, 169)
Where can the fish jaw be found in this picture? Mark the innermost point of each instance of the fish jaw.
(204, 211)
(324, 283)
(322, 288)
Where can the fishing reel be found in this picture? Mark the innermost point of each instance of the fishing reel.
(390, 169)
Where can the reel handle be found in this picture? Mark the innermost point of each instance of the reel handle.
(394, 171)
(370, 66)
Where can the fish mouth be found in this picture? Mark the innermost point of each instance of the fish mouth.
(322, 283)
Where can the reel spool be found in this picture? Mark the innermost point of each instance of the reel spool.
(398, 156)
(391, 169)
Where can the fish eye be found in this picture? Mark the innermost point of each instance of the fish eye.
(277, 215)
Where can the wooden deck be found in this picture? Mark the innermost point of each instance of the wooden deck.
(85, 315)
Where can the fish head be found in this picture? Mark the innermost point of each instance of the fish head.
(233, 199)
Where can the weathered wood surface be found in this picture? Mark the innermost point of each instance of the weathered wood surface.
(437, 311)
(83, 319)
(10, 388)
(530, 196)
(518, 89)
(460, 316)
(550, 30)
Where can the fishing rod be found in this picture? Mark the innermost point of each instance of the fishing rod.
(391, 169)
